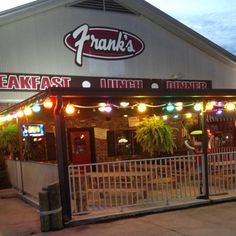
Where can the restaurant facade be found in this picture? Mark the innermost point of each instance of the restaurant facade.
(104, 59)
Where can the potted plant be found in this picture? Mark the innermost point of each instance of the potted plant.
(154, 136)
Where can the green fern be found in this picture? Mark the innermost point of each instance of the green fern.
(154, 136)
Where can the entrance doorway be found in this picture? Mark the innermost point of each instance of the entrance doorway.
(81, 145)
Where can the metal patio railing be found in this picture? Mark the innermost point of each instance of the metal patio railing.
(135, 183)
(149, 182)
(222, 172)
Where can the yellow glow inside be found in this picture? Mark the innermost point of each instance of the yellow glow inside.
(165, 117)
(188, 115)
(124, 104)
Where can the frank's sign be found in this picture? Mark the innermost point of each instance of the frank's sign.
(102, 43)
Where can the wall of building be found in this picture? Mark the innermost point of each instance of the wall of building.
(35, 45)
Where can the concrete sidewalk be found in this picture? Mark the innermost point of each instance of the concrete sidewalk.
(20, 219)
(17, 218)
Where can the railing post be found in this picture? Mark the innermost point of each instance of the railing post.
(205, 153)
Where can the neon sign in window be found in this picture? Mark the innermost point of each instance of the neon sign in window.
(32, 130)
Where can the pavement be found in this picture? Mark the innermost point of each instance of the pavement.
(17, 218)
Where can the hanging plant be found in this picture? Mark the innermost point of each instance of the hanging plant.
(154, 136)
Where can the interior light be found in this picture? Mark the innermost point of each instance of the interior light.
(142, 107)
(48, 104)
(70, 109)
(188, 115)
(123, 140)
(219, 112)
(124, 104)
(176, 116)
(165, 117)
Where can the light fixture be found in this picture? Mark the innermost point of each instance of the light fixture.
(108, 108)
(124, 104)
(142, 107)
(36, 108)
(219, 111)
(179, 106)
(176, 116)
(188, 115)
(123, 140)
(165, 117)
(170, 107)
(70, 109)
(2, 118)
(229, 106)
(8, 117)
(48, 104)
(14, 115)
(198, 107)
(103, 107)
(220, 104)
(20, 113)
(27, 111)
(209, 106)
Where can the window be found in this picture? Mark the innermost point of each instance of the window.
(122, 142)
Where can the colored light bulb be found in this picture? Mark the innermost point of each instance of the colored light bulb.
(70, 109)
(170, 107)
(48, 104)
(142, 107)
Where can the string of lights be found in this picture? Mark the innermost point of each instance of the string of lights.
(217, 107)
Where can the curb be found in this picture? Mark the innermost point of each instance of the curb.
(138, 213)
(8, 193)
(154, 210)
